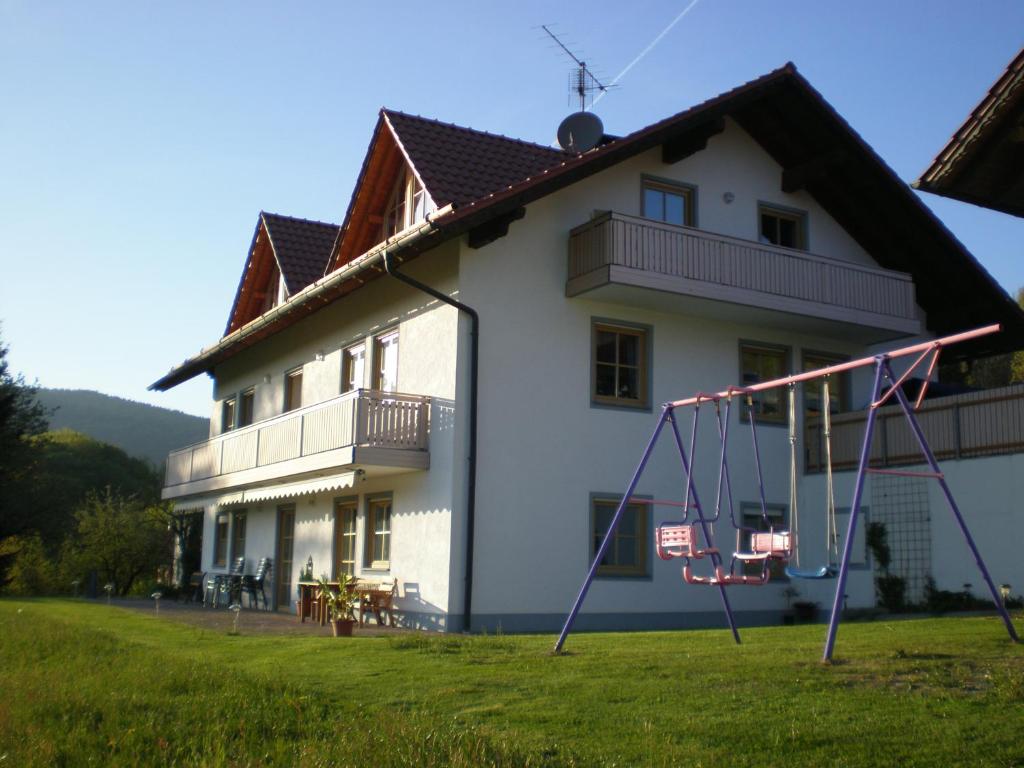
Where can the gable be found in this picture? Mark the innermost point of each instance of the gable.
(287, 254)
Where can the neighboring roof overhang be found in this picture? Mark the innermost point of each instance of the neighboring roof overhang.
(983, 163)
(817, 150)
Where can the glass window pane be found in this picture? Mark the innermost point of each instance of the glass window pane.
(768, 232)
(605, 347)
(605, 380)
(675, 208)
(629, 349)
(787, 233)
(629, 385)
(654, 204)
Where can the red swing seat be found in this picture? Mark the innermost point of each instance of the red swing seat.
(680, 540)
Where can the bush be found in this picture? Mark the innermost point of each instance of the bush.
(31, 572)
(891, 592)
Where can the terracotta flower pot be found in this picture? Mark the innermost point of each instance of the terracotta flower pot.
(342, 627)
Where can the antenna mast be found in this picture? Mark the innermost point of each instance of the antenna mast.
(584, 81)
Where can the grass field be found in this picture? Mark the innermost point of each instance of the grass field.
(84, 684)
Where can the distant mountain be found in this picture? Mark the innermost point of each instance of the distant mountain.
(141, 430)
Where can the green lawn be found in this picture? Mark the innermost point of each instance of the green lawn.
(84, 684)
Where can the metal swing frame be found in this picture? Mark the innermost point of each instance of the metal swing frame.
(886, 386)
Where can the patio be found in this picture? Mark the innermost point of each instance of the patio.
(250, 621)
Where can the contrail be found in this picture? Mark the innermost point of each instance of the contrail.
(646, 50)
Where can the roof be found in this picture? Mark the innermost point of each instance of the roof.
(459, 165)
(817, 150)
(983, 163)
(302, 247)
(297, 249)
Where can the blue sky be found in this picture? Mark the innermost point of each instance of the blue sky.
(138, 141)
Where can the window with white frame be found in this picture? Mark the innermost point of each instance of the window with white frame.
(227, 420)
(782, 226)
(378, 532)
(353, 364)
(385, 353)
(409, 203)
(246, 406)
(345, 537)
(293, 390)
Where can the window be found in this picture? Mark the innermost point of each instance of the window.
(238, 534)
(780, 226)
(627, 551)
(764, 362)
(838, 392)
(408, 204)
(671, 203)
(293, 390)
(620, 365)
(246, 406)
(227, 420)
(344, 538)
(353, 362)
(220, 540)
(838, 385)
(385, 353)
(378, 532)
(753, 520)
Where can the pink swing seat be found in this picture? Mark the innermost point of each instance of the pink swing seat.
(680, 540)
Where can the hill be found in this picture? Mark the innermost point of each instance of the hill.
(140, 430)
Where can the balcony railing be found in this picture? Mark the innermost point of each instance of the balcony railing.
(359, 418)
(615, 248)
(969, 425)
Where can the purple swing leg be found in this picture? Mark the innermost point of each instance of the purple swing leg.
(571, 618)
(927, 451)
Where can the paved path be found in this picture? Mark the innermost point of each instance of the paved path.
(249, 622)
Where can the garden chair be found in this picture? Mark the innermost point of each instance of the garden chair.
(234, 580)
(254, 585)
(378, 599)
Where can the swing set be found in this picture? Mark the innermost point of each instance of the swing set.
(691, 537)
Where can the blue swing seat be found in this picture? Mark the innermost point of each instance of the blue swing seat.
(824, 572)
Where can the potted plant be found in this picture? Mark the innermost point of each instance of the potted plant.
(340, 604)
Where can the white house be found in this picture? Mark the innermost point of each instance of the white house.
(356, 423)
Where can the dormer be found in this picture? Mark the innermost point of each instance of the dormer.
(286, 255)
(408, 204)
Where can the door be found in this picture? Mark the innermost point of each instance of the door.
(285, 555)
(344, 538)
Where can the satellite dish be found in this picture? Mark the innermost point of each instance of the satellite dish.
(580, 131)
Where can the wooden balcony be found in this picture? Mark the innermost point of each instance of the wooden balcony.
(970, 425)
(629, 260)
(360, 428)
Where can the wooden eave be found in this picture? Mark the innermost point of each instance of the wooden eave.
(983, 162)
(257, 278)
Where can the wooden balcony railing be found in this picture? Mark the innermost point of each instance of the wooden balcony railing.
(969, 425)
(358, 418)
(617, 248)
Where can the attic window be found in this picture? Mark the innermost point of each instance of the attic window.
(409, 204)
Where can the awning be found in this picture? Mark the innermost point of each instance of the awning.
(316, 485)
(200, 503)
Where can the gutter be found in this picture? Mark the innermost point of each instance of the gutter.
(474, 317)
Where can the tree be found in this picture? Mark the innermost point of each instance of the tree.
(21, 417)
(119, 537)
(68, 465)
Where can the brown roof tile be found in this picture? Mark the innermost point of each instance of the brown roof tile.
(459, 165)
(302, 247)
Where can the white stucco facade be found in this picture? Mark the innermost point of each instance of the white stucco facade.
(545, 449)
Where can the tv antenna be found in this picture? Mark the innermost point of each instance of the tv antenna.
(583, 80)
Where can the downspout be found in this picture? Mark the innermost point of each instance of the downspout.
(474, 347)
